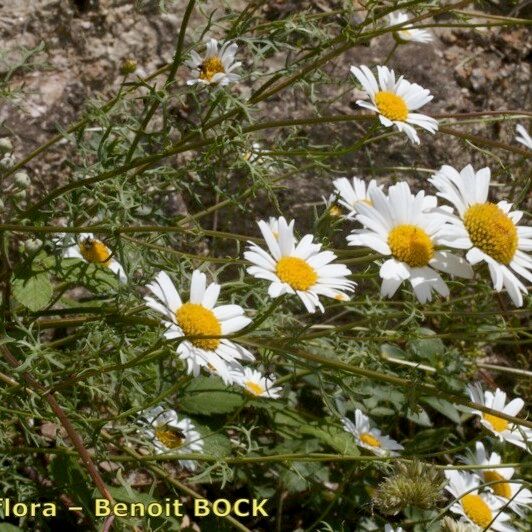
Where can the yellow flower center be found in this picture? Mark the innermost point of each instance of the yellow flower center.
(169, 436)
(93, 250)
(210, 67)
(411, 244)
(254, 387)
(391, 106)
(491, 231)
(296, 272)
(498, 423)
(476, 509)
(196, 320)
(502, 489)
(335, 211)
(405, 34)
(370, 440)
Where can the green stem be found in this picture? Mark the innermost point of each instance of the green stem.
(426, 389)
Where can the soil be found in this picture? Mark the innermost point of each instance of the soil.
(85, 43)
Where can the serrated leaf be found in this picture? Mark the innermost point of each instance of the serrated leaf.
(33, 291)
(209, 395)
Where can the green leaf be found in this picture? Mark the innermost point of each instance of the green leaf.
(6, 527)
(70, 478)
(419, 416)
(333, 436)
(95, 277)
(34, 290)
(427, 440)
(444, 407)
(427, 348)
(215, 444)
(209, 395)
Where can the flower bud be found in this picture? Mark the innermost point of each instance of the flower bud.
(6, 145)
(32, 244)
(22, 179)
(7, 161)
(128, 66)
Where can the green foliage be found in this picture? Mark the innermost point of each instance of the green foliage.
(173, 177)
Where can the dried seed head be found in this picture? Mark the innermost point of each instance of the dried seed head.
(412, 484)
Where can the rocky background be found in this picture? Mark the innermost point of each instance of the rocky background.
(84, 43)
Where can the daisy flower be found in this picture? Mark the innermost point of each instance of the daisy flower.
(504, 430)
(488, 230)
(257, 384)
(394, 100)
(523, 137)
(331, 204)
(477, 509)
(510, 492)
(200, 319)
(352, 192)
(169, 433)
(407, 33)
(91, 249)
(370, 438)
(399, 225)
(297, 268)
(216, 68)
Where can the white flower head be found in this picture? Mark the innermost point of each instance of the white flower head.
(407, 33)
(370, 438)
(523, 137)
(502, 429)
(257, 384)
(297, 267)
(168, 432)
(90, 249)
(394, 100)
(476, 508)
(512, 493)
(400, 225)
(488, 230)
(216, 68)
(202, 323)
(352, 192)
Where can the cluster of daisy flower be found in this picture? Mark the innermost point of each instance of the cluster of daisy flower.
(482, 495)
(420, 240)
(418, 236)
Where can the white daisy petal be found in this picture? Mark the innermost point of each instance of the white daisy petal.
(201, 323)
(493, 235)
(299, 268)
(217, 65)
